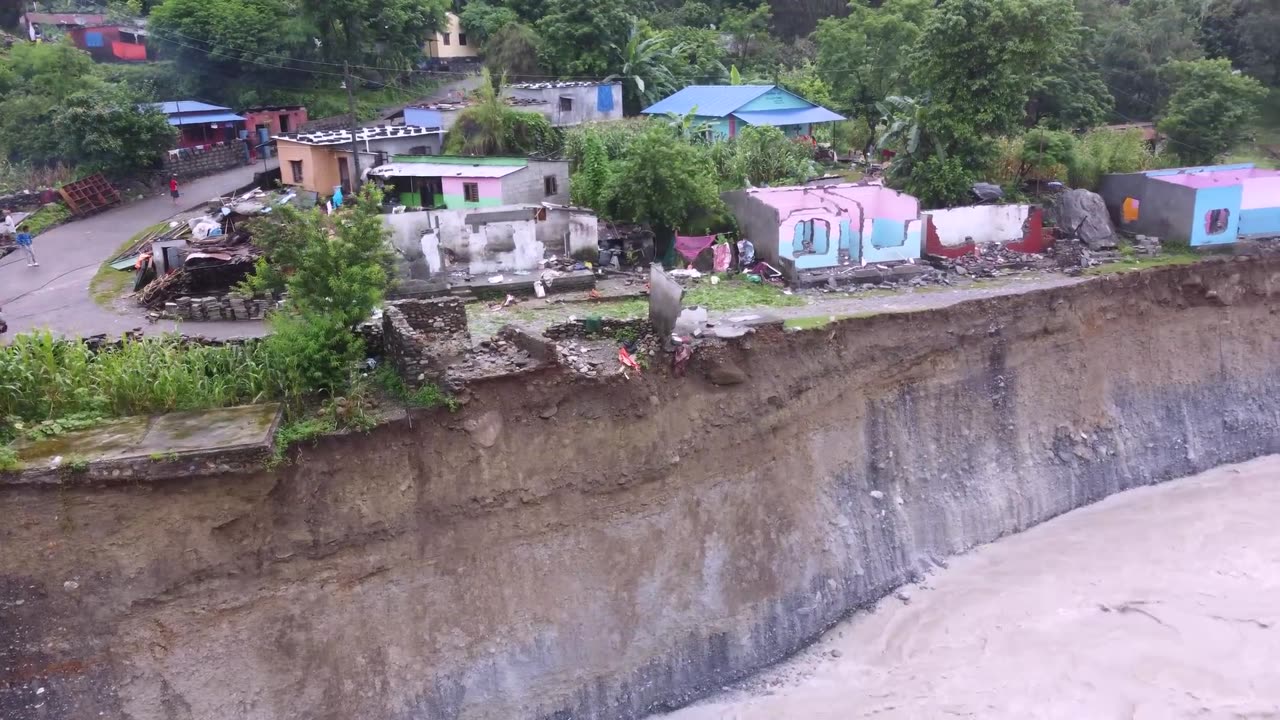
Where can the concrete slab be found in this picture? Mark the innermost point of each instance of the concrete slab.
(200, 441)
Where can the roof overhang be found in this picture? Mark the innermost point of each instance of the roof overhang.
(796, 116)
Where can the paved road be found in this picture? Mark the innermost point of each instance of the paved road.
(56, 294)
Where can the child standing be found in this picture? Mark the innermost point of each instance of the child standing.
(173, 188)
(24, 242)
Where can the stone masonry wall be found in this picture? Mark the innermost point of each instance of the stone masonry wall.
(191, 163)
(420, 337)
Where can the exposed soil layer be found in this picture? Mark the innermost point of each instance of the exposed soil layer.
(604, 549)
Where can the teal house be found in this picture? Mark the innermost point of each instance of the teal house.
(728, 108)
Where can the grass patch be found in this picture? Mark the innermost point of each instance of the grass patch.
(9, 461)
(737, 293)
(427, 396)
(810, 323)
(299, 431)
(108, 283)
(46, 217)
(1135, 263)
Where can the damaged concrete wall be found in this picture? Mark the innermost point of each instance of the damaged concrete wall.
(603, 550)
(980, 223)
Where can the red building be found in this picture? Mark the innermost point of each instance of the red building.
(201, 123)
(264, 123)
(106, 43)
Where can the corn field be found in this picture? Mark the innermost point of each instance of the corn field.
(42, 378)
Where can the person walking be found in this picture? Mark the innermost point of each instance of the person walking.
(24, 242)
(173, 188)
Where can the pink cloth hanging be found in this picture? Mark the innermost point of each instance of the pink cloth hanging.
(689, 247)
(722, 257)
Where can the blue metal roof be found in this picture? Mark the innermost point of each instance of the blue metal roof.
(710, 100)
(794, 116)
(204, 117)
(188, 106)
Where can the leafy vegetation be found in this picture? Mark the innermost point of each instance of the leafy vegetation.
(55, 108)
(46, 217)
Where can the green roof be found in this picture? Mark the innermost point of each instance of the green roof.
(462, 160)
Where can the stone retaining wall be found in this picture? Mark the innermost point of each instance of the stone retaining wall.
(420, 337)
(189, 163)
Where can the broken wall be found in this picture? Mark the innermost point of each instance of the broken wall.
(420, 338)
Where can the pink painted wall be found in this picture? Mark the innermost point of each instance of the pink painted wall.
(1217, 178)
(1261, 192)
(876, 201)
(489, 187)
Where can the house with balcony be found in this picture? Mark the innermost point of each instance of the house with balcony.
(322, 161)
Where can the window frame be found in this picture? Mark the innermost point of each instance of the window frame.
(471, 192)
(295, 169)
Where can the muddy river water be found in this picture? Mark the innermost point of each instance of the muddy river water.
(1155, 604)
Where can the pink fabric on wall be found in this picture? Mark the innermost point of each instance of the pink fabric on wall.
(689, 247)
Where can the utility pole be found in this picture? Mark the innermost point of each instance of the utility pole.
(355, 126)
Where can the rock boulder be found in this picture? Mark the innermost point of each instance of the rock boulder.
(1083, 214)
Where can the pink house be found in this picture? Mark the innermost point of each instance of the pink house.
(804, 228)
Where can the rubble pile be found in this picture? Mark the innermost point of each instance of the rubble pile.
(993, 260)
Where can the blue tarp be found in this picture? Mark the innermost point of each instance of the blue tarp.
(93, 39)
(604, 98)
(796, 116)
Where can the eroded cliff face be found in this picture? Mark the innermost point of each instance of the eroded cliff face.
(645, 542)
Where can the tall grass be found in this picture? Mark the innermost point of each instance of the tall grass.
(42, 377)
(1101, 152)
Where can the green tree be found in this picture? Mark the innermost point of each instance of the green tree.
(513, 52)
(36, 81)
(334, 265)
(1245, 32)
(748, 28)
(866, 57)
(482, 20)
(109, 130)
(1071, 93)
(699, 55)
(1143, 37)
(576, 34)
(664, 182)
(374, 32)
(213, 40)
(490, 126)
(805, 80)
(590, 185)
(644, 66)
(769, 157)
(1211, 107)
(1047, 155)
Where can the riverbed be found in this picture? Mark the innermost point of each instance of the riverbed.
(1158, 603)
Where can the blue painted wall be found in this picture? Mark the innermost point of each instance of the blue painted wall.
(1262, 221)
(891, 241)
(1218, 198)
(776, 99)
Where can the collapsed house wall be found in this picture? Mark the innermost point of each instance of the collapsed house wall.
(561, 549)
(958, 231)
(420, 338)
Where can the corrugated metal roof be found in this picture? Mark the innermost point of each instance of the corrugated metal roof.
(188, 106)
(794, 116)
(369, 133)
(204, 117)
(417, 169)
(710, 100)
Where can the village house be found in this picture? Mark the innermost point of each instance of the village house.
(322, 161)
(726, 109)
(201, 124)
(505, 238)
(563, 104)
(806, 228)
(1196, 206)
(472, 182)
(103, 40)
(451, 43)
(266, 122)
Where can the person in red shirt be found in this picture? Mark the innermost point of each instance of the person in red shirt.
(173, 188)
